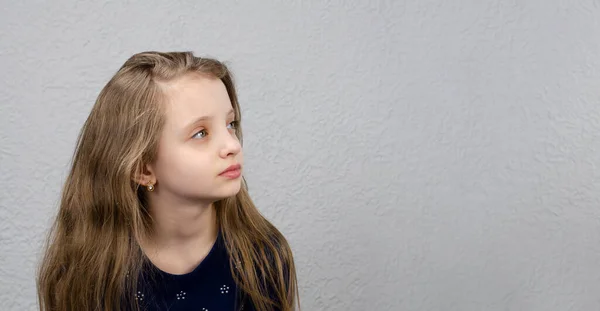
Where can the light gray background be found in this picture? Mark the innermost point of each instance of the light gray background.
(418, 155)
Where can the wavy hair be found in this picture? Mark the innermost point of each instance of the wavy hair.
(92, 257)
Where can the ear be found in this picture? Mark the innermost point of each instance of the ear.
(146, 176)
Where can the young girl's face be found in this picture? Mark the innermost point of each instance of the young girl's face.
(198, 141)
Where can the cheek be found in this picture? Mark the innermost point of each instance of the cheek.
(181, 167)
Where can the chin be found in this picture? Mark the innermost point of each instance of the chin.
(227, 191)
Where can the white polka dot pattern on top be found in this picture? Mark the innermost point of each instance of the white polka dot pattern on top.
(198, 288)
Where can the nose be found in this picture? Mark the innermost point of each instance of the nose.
(230, 144)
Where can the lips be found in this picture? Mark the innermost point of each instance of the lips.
(231, 169)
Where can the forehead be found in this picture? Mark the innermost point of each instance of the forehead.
(192, 96)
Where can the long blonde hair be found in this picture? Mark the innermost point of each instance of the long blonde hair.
(92, 259)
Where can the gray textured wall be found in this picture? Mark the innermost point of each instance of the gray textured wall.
(419, 155)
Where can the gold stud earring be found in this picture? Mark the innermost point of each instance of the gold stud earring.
(150, 187)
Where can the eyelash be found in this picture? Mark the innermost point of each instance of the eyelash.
(233, 123)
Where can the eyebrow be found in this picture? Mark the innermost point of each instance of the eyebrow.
(203, 118)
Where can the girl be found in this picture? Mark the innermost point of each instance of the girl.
(155, 213)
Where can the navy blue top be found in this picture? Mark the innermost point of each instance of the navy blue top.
(209, 287)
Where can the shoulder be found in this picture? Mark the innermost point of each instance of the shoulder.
(280, 247)
(281, 263)
(278, 254)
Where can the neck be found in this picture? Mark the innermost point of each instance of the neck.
(183, 233)
(178, 224)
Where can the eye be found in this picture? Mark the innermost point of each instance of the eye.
(202, 132)
(233, 124)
